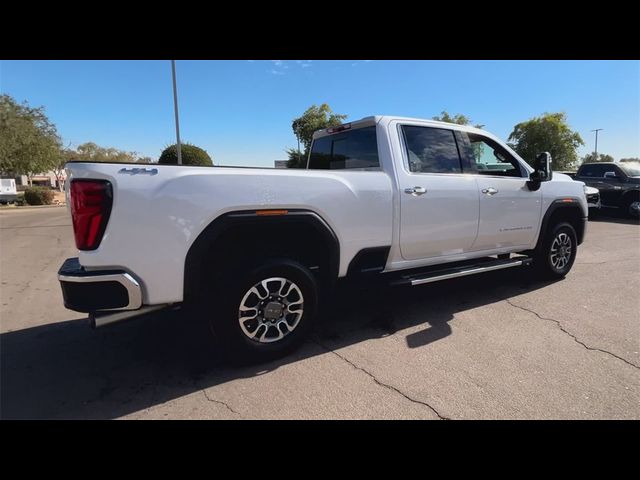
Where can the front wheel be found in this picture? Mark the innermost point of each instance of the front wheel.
(633, 207)
(265, 313)
(557, 252)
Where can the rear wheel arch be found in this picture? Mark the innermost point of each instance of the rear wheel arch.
(242, 237)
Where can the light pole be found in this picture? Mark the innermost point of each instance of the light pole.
(597, 130)
(175, 108)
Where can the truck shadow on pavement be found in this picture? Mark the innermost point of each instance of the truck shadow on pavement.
(67, 370)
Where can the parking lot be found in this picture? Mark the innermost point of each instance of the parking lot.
(491, 346)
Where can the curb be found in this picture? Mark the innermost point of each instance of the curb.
(30, 207)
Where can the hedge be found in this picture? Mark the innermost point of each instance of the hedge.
(38, 196)
(191, 155)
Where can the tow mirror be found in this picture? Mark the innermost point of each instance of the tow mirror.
(541, 171)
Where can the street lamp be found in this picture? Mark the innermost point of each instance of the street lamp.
(175, 108)
(597, 130)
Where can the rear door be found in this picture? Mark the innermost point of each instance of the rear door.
(438, 202)
(509, 212)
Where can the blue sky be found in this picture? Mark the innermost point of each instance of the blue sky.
(241, 111)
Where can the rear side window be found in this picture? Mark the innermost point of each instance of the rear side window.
(431, 150)
(346, 150)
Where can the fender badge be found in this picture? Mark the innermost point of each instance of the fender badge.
(139, 171)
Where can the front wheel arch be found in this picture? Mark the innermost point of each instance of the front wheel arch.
(561, 211)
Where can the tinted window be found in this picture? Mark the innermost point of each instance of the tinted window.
(431, 150)
(594, 170)
(346, 150)
(485, 156)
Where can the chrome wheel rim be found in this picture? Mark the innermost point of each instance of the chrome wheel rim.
(634, 208)
(270, 310)
(560, 251)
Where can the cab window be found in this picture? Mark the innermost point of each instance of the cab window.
(487, 157)
(352, 149)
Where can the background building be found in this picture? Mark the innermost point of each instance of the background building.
(280, 163)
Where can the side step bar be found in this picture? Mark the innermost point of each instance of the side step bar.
(484, 265)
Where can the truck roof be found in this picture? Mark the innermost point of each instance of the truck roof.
(375, 119)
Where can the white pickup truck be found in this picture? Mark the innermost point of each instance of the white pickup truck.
(254, 250)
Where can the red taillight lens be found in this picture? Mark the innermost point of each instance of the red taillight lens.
(90, 209)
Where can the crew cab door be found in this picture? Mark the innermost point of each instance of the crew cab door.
(509, 211)
(438, 203)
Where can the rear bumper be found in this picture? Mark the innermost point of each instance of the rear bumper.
(8, 197)
(94, 291)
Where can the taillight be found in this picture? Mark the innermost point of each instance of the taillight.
(90, 209)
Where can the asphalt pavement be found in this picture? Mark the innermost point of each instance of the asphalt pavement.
(492, 346)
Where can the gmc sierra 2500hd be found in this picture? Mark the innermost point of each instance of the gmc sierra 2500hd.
(253, 250)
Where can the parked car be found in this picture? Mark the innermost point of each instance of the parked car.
(618, 183)
(8, 192)
(593, 199)
(255, 251)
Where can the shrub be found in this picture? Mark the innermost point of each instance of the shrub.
(191, 155)
(38, 196)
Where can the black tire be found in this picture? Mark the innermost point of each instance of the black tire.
(222, 311)
(551, 264)
(631, 207)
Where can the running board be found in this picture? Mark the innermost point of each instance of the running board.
(484, 265)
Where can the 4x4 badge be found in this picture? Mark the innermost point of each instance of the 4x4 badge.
(139, 171)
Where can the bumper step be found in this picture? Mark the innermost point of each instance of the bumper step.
(435, 274)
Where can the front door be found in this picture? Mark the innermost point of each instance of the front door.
(438, 203)
(509, 212)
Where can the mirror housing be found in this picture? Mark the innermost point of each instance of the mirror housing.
(542, 171)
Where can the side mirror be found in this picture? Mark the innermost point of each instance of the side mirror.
(610, 175)
(541, 171)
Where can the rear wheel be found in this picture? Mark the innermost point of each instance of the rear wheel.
(265, 313)
(557, 252)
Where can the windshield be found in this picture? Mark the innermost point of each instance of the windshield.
(631, 169)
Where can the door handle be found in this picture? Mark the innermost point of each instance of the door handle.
(489, 191)
(415, 191)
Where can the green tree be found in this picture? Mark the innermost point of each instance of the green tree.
(458, 118)
(191, 155)
(297, 159)
(591, 158)
(547, 133)
(313, 119)
(90, 152)
(630, 159)
(29, 141)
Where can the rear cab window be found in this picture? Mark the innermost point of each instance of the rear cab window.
(355, 149)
